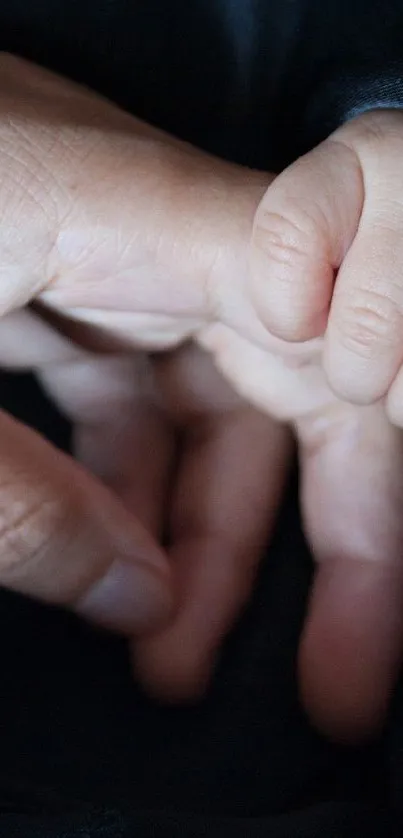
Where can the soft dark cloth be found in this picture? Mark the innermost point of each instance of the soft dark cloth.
(258, 81)
(83, 753)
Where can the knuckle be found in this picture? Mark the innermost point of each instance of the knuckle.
(370, 324)
(297, 264)
(283, 241)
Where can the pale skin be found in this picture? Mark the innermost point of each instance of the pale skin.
(129, 242)
(329, 254)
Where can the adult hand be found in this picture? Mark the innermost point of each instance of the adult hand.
(107, 221)
(94, 202)
(198, 467)
(110, 223)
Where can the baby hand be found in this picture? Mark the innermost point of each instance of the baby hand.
(327, 257)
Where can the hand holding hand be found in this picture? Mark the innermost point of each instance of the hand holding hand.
(111, 225)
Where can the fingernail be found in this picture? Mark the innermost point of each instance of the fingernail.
(130, 598)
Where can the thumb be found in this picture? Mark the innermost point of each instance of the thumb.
(303, 227)
(65, 539)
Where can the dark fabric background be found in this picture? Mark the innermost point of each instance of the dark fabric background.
(83, 753)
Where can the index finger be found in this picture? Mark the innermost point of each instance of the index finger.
(232, 473)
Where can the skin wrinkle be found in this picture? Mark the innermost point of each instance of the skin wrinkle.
(194, 216)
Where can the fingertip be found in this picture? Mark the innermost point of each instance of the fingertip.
(172, 670)
(350, 650)
(130, 586)
(335, 705)
(128, 598)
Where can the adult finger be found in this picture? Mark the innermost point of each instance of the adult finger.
(132, 448)
(352, 491)
(121, 435)
(66, 540)
(28, 343)
(229, 486)
(119, 432)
